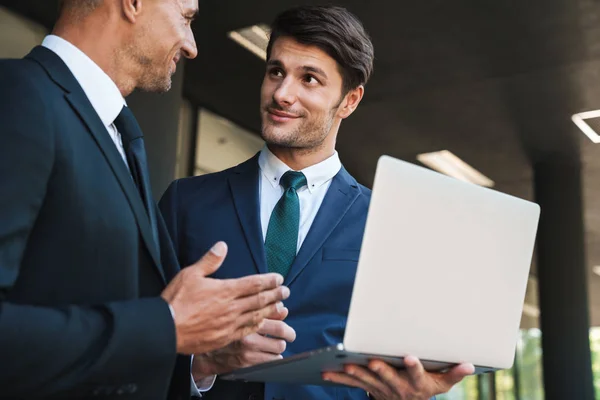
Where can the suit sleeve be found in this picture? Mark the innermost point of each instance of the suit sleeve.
(168, 208)
(122, 347)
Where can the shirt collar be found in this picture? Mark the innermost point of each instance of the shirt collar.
(316, 175)
(101, 91)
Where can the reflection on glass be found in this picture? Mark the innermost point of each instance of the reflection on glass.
(529, 361)
(466, 390)
(595, 347)
(505, 385)
(528, 364)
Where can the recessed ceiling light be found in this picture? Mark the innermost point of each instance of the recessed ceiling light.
(579, 120)
(447, 163)
(254, 38)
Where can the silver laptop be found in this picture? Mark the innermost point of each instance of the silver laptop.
(442, 275)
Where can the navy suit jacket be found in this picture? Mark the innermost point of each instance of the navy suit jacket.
(200, 211)
(80, 274)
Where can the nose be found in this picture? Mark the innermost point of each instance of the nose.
(285, 94)
(189, 49)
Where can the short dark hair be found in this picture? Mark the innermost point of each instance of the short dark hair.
(334, 30)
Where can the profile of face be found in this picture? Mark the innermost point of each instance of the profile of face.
(163, 35)
(301, 96)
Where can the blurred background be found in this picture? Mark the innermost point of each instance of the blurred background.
(502, 94)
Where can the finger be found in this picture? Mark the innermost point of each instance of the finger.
(262, 300)
(257, 357)
(278, 329)
(252, 321)
(348, 380)
(261, 344)
(253, 284)
(457, 374)
(398, 381)
(212, 260)
(280, 315)
(373, 381)
(414, 369)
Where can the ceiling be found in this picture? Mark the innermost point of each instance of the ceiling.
(493, 82)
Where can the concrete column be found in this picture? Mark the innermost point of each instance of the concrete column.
(562, 275)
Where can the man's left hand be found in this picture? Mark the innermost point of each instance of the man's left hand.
(384, 382)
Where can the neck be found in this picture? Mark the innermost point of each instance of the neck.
(85, 36)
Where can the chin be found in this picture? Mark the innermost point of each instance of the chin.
(279, 140)
(158, 86)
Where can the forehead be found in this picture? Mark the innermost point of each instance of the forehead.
(294, 54)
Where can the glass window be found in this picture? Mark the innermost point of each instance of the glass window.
(505, 385)
(221, 144)
(466, 390)
(595, 348)
(529, 362)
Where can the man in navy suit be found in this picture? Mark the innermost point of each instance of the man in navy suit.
(294, 209)
(92, 302)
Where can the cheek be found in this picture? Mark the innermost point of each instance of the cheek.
(173, 34)
(316, 106)
(266, 93)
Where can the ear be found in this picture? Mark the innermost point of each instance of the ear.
(351, 101)
(132, 9)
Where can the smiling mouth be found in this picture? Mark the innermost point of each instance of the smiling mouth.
(280, 118)
(280, 115)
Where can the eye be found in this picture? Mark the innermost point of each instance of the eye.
(276, 72)
(311, 80)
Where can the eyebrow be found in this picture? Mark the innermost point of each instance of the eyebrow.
(274, 63)
(316, 70)
(305, 68)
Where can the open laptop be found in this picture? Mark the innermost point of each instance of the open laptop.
(441, 276)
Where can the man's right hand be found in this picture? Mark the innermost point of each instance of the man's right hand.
(211, 313)
(266, 345)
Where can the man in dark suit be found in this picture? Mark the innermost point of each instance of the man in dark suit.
(85, 258)
(295, 210)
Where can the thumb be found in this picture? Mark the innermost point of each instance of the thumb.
(212, 260)
(458, 373)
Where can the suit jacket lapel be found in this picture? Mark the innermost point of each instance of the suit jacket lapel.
(75, 95)
(245, 192)
(339, 198)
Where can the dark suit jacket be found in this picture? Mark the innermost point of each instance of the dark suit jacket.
(224, 206)
(80, 278)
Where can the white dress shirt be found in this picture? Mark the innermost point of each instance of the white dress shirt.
(99, 88)
(318, 179)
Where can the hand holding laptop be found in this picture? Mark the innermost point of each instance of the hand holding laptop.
(266, 345)
(384, 382)
(435, 238)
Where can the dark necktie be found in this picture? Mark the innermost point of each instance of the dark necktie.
(135, 151)
(282, 234)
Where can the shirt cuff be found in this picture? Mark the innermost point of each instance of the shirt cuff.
(204, 384)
